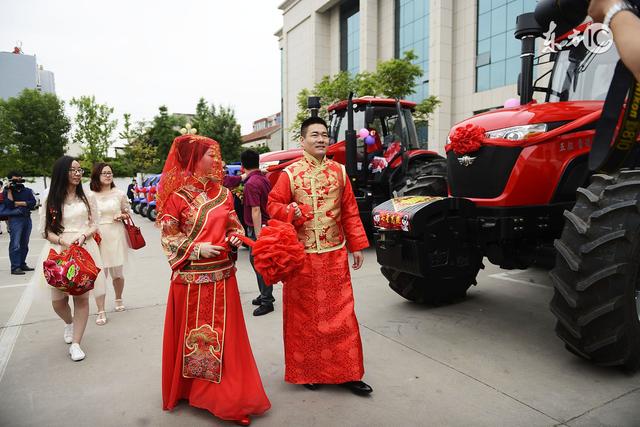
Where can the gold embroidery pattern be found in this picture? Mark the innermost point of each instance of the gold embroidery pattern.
(202, 362)
(175, 241)
(319, 185)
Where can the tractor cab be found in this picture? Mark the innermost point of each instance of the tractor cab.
(391, 160)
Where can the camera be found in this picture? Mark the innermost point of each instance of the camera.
(16, 184)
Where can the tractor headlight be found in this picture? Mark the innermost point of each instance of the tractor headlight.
(517, 133)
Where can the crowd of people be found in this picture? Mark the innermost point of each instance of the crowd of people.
(207, 357)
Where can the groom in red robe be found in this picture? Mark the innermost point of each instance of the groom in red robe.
(321, 334)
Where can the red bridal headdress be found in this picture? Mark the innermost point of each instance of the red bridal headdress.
(186, 163)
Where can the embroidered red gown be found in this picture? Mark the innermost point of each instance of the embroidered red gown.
(206, 355)
(321, 333)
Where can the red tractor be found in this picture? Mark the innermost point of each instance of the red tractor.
(521, 193)
(397, 163)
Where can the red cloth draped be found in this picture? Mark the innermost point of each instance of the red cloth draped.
(321, 334)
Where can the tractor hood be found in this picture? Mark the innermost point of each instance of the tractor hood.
(568, 115)
(281, 155)
(532, 113)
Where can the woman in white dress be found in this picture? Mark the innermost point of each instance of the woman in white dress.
(70, 217)
(113, 206)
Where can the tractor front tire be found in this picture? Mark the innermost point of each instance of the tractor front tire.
(426, 179)
(596, 297)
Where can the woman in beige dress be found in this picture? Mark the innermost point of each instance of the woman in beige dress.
(113, 206)
(68, 217)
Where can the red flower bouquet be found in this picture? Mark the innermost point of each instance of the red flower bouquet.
(466, 139)
(277, 253)
(72, 271)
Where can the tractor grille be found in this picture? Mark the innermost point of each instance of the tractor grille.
(486, 176)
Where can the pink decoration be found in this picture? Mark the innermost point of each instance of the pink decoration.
(512, 102)
(363, 133)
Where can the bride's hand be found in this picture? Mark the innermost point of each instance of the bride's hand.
(207, 250)
(234, 241)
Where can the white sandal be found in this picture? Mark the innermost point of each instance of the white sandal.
(119, 305)
(101, 320)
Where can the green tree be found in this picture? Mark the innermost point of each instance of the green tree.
(139, 155)
(395, 78)
(220, 124)
(94, 128)
(38, 130)
(164, 128)
(262, 149)
(127, 132)
(8, 149)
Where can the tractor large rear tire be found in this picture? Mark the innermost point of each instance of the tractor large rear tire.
(597, 290)
(437, 289)
(426, 179)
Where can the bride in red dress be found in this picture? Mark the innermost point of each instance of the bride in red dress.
(206, 354)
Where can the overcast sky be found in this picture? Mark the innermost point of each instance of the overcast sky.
(136, 55)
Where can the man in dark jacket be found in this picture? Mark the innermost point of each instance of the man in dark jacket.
(20, 198)
(256, 193)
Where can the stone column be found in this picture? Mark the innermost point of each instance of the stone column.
(368, 34)
(440, 70)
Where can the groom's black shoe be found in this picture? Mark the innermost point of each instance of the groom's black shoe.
(262, 310)
(311, 386)
(256, 301)
(358, 387)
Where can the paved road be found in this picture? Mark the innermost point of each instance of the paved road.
(491, 360)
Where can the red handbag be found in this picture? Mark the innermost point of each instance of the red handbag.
(72, 271)
(134, 235)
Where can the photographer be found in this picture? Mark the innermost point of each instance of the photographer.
(625, 26)
(17, 196)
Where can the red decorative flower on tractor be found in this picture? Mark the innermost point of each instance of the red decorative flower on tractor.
(466, 139)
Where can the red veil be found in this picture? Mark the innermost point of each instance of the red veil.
(181, 165)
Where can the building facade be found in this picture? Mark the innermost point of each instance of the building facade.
(466, 49)
(267, 132)
(19, 71)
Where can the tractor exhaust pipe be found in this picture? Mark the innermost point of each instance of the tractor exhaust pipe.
(350, 141)
(527, 30)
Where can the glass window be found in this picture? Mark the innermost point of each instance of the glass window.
(498, 47)
(484, 6)
(497, 50)
(497, 71)
(514, 9)
(412, 33)
(484, 26)
(350, 37)
(499, 20)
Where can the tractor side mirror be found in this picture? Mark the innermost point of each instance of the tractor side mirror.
(368, 115)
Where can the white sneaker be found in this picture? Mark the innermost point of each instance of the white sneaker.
(76, 352)
(68, 333)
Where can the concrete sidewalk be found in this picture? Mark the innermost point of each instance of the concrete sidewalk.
(491, 360)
